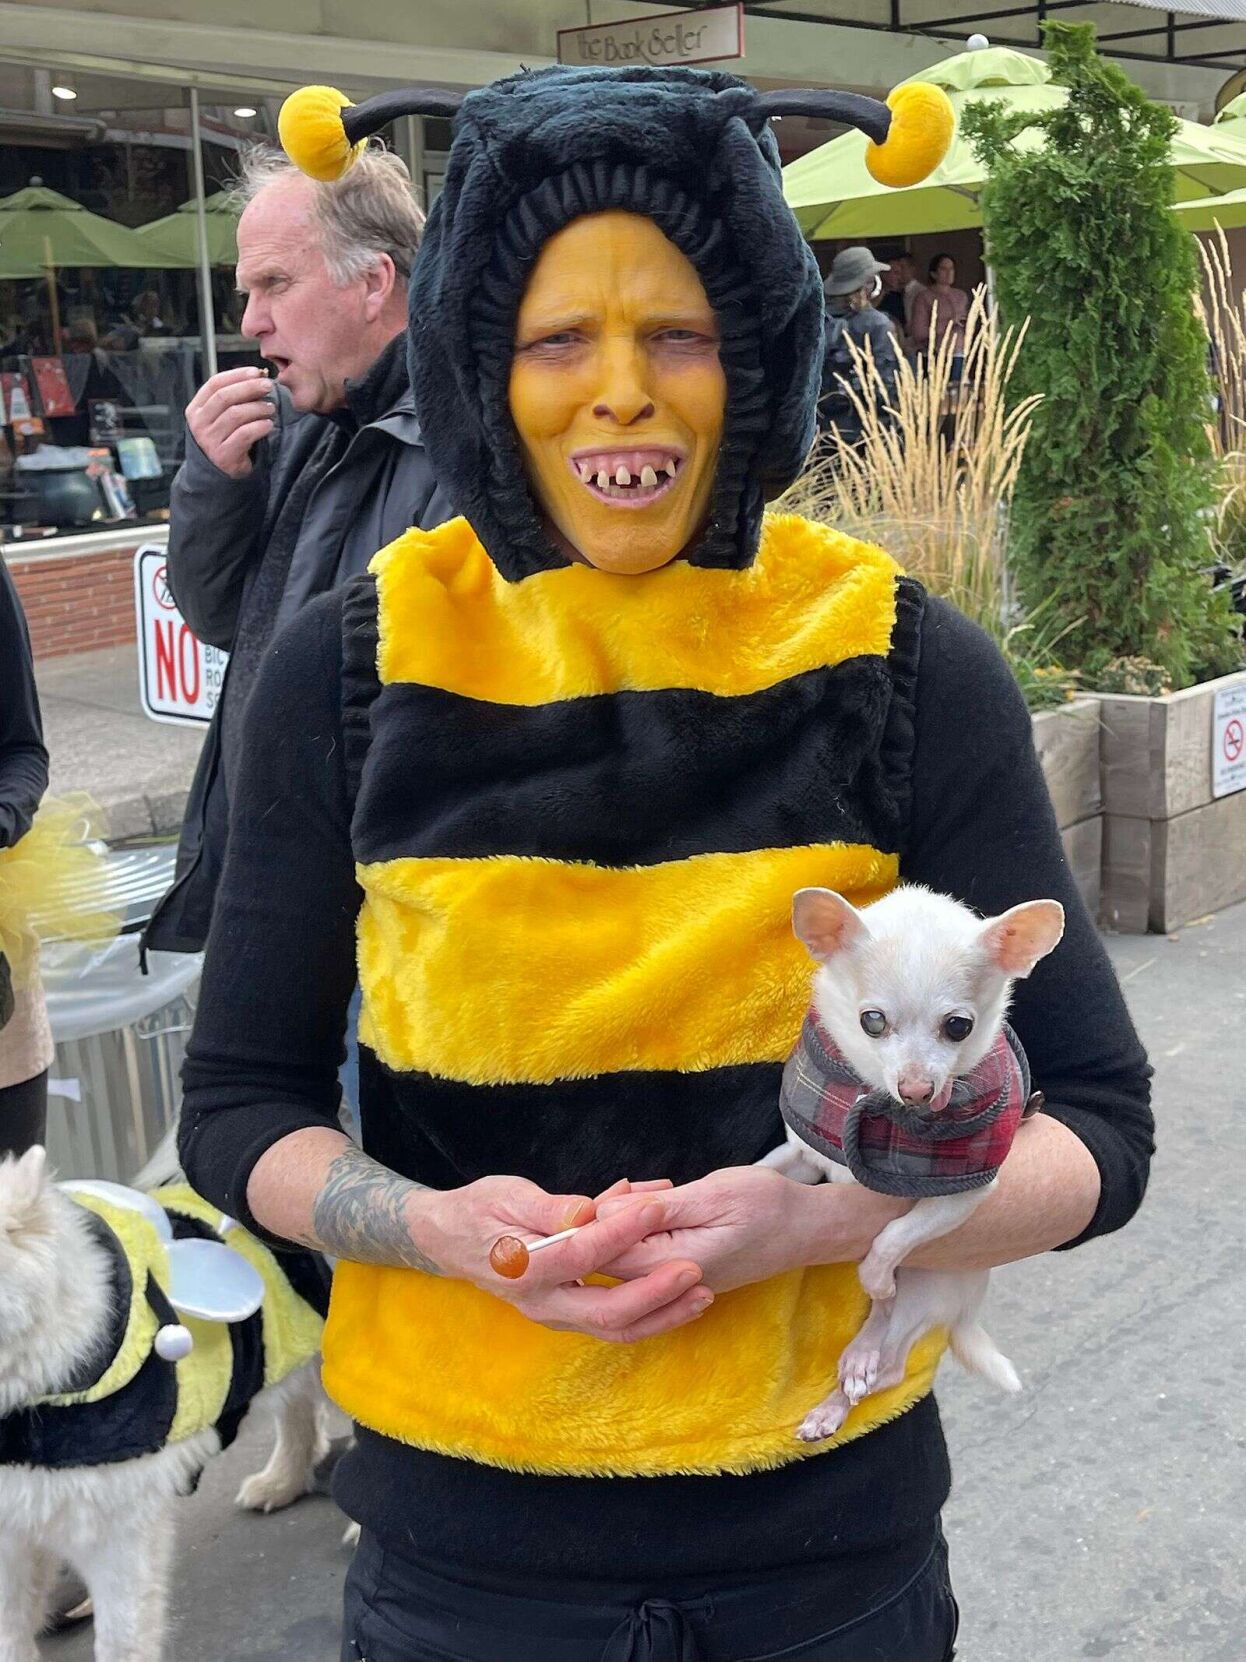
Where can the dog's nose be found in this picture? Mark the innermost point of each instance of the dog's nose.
(916, 1092)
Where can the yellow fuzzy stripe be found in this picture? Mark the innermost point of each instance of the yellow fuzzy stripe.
(203, 1378)
(447, 1367)
(689, 964)
(448, 619)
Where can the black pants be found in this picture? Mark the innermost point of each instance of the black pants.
(398, 1612)
(23, 1114)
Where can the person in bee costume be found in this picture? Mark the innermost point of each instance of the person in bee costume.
(550, 775)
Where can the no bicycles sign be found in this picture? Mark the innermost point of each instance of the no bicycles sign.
(179, 678)
(1228, 742)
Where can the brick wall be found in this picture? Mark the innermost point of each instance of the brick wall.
(76, 603)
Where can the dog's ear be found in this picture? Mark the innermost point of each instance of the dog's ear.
(22, 1182)
(825, 922)
(1017, 939)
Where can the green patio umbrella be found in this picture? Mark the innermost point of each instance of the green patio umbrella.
(1228, 211)
(176, 235)
(833, 195)
(41, 228)
(1232, 118)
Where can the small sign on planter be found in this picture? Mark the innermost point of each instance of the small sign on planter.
(1228, 742)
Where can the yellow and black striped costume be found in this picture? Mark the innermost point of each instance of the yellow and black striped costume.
(128, 1401)
(583, 804)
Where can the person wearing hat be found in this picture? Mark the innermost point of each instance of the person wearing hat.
(855, 327)
(550, 775)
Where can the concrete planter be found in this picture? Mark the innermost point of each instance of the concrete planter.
(1171, 852)
(1067, 741)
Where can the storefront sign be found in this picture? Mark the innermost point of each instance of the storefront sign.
(1228, 742)
(179, 678)
(661, 39)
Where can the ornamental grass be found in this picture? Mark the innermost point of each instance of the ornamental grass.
(932, 479)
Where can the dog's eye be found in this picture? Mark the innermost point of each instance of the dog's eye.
(874, 1022)
(957, 1028)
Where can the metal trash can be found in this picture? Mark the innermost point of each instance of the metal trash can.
(115, 1086)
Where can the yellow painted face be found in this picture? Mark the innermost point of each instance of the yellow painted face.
(617, 393)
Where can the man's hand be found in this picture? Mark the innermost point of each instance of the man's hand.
(231, 413)
(455, 1230)
(747, 1223)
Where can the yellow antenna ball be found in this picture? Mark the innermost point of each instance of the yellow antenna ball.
(922, 125)
(311, 132)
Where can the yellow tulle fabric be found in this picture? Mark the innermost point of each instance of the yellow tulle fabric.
(52, 884)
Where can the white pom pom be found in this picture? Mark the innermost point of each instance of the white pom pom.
(174, 1343)
(977, 43)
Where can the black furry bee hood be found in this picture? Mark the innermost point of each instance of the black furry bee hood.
(690, 149)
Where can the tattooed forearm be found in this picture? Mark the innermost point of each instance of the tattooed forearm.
(360, 1214)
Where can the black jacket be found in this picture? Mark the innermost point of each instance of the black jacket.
(225, 554)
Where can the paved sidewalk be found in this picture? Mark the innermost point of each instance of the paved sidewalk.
(100, 741)
(1097, 1515)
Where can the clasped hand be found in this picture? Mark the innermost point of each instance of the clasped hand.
(669, 1250)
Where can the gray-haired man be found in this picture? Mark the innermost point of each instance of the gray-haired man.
(293, 478)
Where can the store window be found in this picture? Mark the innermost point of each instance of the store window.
(103, 336)
(108, 321)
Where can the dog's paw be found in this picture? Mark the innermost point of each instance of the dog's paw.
(351, 1536)
(878, 1277)
(824, 1420)
(264, 1492)
(858, 1370)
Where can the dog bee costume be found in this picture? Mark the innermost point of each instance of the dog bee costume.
(202, 1318)
(556, 814)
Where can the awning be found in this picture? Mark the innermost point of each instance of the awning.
(1206, 33)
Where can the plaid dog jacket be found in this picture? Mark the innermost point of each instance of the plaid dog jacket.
(896, 1149)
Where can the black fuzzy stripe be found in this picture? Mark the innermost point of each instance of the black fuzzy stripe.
(631, 778)
(900, 733)
(573, 1137)
(124, 1425)
(360, 682)
(92, 1367)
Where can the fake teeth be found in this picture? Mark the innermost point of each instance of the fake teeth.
(634, 475)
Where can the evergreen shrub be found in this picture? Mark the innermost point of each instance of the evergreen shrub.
(1111, 519)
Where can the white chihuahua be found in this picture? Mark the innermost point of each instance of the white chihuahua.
(908, 1080)
(112, 1521)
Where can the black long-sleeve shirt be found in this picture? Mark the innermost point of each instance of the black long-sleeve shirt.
(268, 1042)
(23, 758)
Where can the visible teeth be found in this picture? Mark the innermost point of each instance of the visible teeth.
(603, 479)
(584, 470)
(670, 468)
(648, 477)
(622, 476)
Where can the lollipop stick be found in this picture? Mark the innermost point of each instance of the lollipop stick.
(552, 1240)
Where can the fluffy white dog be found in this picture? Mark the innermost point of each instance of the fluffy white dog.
(105, 1421)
